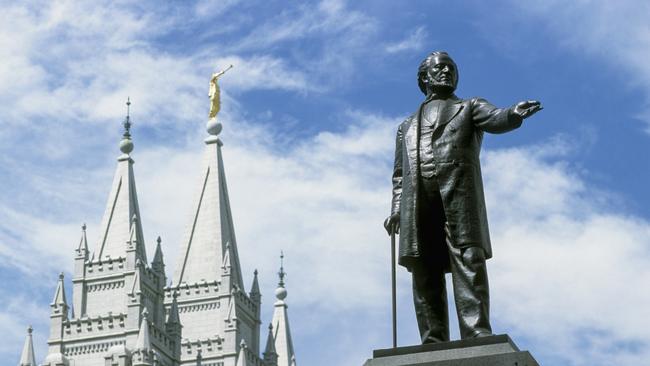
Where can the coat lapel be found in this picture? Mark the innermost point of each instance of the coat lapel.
(412, 137)
(448, 113)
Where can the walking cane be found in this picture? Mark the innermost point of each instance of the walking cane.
(394, 286)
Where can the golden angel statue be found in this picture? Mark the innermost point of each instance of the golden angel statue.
(215, 93)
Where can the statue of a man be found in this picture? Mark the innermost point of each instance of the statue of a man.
(438, 206)
(215, 93)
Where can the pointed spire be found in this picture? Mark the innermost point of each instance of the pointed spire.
(211, 227)
(82, 249)
(282, 333)
(27, 357)
(255, 294)
(173, 319)
(241, 358)
(158, 264)
(59, 293)
(118, 226)
(143, 343)
(143, 353)
(270, 354)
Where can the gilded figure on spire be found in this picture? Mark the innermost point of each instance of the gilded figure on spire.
(215, 93)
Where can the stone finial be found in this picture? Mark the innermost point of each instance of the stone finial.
(281, 292)
(281, 274)
(126, 145)
(27, 357)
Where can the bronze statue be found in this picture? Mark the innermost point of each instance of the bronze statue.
(438, 206)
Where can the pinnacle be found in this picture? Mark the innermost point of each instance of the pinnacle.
(27, 358)
(143, 342)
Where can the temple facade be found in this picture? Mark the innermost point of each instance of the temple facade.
(125, 311)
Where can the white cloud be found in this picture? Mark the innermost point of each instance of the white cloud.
(17, 311)
(413, 42)
(565, 263)
(569, 268)
(566, 259)
(326, 40)
(108, 54)
(616, 32)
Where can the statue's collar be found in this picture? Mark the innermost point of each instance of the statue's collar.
(434, 96)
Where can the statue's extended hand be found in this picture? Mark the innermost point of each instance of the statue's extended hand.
(391, 224)
(528, 108)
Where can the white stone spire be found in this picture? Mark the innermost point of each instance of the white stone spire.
(280, 322)
(82, 249)
(158, 263)
(241, 358)
(255, 293)
(144, 342)
(210, 237)
(27, 357)
(142, 354)
(58, 315)
(59, 300)
(121, 208)
(270, 355)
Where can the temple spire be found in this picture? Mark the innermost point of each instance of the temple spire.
(255, 294)
(59, 300)
(280, 322)
(270, 354)
(118, 225)
(27, 357)
(82, 249)
(143, 352)
(158, 263)
(173, 320)
(241, 358)
(210, 240)
(144, 341)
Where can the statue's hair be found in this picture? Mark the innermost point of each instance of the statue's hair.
(426, 64)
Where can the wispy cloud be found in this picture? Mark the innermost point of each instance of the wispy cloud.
(108, 54)
(566, 262)
(563, 249)
(560, 255)
(618, 33)
(413, 42)
(336, 36)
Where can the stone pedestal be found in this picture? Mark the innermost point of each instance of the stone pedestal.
(497, 350)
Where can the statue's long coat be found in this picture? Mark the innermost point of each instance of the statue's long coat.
(457, 141)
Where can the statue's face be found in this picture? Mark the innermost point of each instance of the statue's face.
(442, 75)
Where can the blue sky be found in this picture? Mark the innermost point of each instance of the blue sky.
(309, 113)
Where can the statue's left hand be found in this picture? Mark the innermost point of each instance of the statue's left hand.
(528, 108)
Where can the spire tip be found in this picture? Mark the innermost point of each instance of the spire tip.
(126, 145)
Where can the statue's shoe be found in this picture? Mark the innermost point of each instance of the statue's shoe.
(482, 334)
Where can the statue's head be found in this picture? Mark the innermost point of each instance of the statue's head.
(438, 73)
